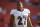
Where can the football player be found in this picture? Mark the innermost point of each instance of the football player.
(20, 16)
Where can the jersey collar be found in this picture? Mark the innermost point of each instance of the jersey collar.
(21, 11)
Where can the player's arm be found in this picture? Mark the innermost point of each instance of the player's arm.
(29, 22)
(11, 20)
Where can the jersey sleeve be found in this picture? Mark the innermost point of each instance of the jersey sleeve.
(12, 12)
(27, 11)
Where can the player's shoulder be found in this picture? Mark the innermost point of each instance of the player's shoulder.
(13, 10)
(25, 9)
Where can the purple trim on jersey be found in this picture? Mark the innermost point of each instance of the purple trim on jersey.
(24, 16)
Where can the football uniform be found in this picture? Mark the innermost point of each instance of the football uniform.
(20, 17)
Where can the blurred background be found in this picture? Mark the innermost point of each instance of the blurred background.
(7, 5)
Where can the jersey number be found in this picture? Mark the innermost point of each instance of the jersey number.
(20, 20)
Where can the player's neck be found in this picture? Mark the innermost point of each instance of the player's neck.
(20, 10)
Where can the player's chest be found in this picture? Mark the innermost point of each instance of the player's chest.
(21, 13)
